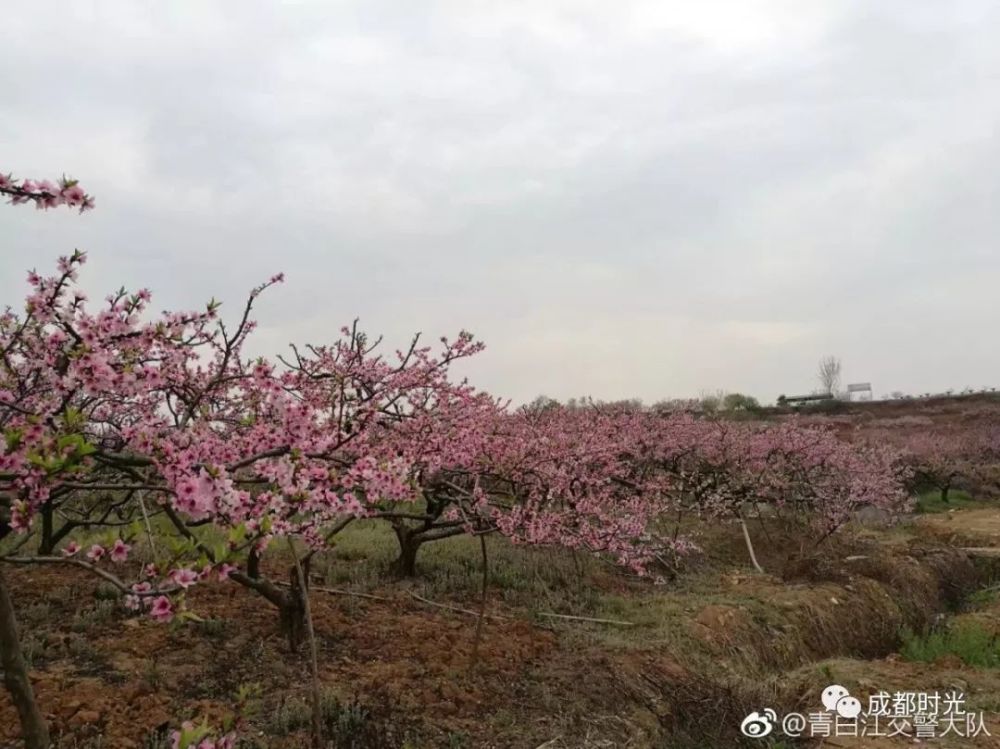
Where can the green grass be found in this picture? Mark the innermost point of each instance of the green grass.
(523, 581)
(453, 566)
(527, 582)
(970, 642)
(345, 724)
(983, 598)
(929, 502)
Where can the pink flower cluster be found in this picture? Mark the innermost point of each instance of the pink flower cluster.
(118, 553)
(45, 193)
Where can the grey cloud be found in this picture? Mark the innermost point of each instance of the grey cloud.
(633, 198)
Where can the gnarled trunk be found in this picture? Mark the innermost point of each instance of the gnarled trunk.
(289, 602)
(411, 539)
(34, 731)
(405, 564)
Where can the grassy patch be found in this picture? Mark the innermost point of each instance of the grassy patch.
(970, 642)
(345, 725)
(453, 566)
(930, 502)
(984, 598)
(101, 612)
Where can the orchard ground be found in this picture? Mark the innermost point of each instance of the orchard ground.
(671, 664)
(682, 664)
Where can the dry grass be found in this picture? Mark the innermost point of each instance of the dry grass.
(702, 650)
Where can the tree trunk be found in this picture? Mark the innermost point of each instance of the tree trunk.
(482, 603)
(15, 676)
(293, 613)
(300, 574)
(46, 544)
(944, 493)
(293, 623)
(253, 564)
(289, 602)
(409, 544)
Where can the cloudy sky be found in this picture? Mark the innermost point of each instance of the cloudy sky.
(646, 198)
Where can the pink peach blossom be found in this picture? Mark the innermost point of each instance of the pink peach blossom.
(162, 610)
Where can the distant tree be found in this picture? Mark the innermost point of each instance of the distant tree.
(740, 402)
(672, 405)
(631, 405)
(586, 402)
(712, 402)
(829, 374)
(542, 403)
(945, 457)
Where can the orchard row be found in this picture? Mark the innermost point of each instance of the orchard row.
(112, 417)
(118, 424)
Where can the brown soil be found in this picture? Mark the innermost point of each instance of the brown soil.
(975, 528)
(981, 687)
(406, 663)
(702, 655)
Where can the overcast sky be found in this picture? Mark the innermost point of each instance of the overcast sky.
(624, 199)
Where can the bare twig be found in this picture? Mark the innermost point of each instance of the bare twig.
(619, 622)
(149, 527)
(342, 592)
(469, 612)
(90, 568)
(457, 609)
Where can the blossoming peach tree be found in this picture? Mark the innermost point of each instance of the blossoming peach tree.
(556, 476)
(121, 427)
(111, 421)
(34, 729)
(734, 470)
(941, 458)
